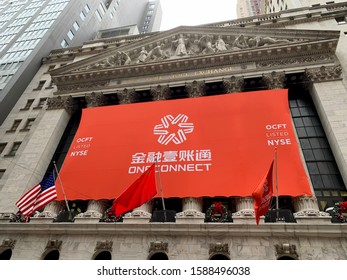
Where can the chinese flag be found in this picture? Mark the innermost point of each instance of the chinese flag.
(262, 194)
(142, 190)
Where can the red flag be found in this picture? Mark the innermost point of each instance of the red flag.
(262, 195)
(142, 190)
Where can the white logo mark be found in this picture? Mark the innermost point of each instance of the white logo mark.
(173, 129)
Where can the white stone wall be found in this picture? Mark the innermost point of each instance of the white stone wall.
(28, 166)
(130, 242)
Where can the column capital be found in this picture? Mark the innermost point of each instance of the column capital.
(95, 99)
(274, 80)
(62, 102)
(160, 92)
(233, 84)
(324, 74)
(126, 96)
(196, 88)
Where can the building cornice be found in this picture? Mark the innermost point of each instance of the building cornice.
(172, 229)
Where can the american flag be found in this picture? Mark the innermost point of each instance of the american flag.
(37, 197)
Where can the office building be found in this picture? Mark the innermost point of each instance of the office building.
(273, 6)
(30, 29)
(248, 8)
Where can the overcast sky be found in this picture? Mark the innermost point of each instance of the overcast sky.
(195, 12)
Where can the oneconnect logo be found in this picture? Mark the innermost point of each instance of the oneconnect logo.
(173, 129)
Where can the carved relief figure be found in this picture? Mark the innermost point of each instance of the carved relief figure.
(220, 45)
(240, 42)
(180, 44)
(120, 58)
(258, 41)
(205, 45)
(143, 55)
(157, 53)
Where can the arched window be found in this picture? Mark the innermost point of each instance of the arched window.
(103, 255)
(159, 256)
(219, 257)
(286, 258)
(6, 254)
(52, 255)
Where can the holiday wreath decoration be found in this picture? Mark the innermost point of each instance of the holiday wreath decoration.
(218, 213)
(340, 211)
(110, 218)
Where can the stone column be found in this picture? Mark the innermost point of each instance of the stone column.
(196, 89)
(275, 80)
(143, 214)
(35, 153)
(95, 208)
(307, 211)
(140, 215)
(328, 93)
(244, 211)
(192, 207)
(192, 211)
(234, 84)
(50, 212)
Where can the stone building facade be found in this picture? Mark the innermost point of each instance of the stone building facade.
(302, 50)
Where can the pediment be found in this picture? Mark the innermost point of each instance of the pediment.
(188, 46)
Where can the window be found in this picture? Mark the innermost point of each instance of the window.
(340, 20)
(14, 126)
(14, 149)
(102, 9)
(28, 104)
(98, 16)
(82, 15)
(28, 124)
(2, 147)
(70, 35)
(2, 172)
(41, 103)
(64, 44)
(322, 168)
(40, 85)
(76, 26)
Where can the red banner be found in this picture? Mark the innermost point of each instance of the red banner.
(208, 146)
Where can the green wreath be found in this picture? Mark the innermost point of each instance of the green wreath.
(217, 213)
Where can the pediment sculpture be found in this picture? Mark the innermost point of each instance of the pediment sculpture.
(186, 45)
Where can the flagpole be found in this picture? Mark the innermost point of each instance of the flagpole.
(276, 176)
(161, 190)
(62, 188)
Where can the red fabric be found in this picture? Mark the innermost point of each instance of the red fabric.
(213, 146)
(262, 194)
(142, 190)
